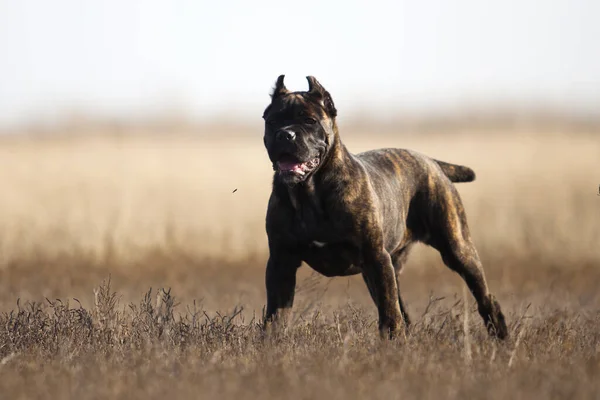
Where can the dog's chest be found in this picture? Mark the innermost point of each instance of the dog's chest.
(326, 246)
(314, 223)
(317, 219)
(314, 226)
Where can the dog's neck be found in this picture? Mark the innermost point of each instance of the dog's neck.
(335, 161)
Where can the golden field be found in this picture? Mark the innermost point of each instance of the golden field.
(160, 209)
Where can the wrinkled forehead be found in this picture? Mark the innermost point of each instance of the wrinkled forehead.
(294, 104)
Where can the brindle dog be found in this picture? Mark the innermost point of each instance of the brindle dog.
(346, 214)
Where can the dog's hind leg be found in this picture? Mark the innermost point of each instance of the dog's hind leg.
(450, 236)
(398, 259)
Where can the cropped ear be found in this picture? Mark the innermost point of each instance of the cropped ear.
(279, 89)
(314, 87)
(316, 90)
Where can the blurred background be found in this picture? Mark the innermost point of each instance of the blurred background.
(126, 127)
(195, 60)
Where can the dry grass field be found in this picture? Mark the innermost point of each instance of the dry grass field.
(159, 210)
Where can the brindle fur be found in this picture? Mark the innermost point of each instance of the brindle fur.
(360, 214)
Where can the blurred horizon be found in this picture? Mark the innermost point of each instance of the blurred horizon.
(200, 63)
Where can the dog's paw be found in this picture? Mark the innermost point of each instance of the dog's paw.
(496, 323)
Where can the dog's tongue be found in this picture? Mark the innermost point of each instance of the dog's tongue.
(290, 166)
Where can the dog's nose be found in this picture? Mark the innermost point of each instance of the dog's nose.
(285, 135)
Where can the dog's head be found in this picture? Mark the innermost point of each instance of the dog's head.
(299, 130)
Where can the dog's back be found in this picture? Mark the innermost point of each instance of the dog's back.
(408, 162)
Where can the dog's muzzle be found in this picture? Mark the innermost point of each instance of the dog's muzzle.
(292, 157)
(290, 165)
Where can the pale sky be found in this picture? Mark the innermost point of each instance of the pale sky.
(122, 58)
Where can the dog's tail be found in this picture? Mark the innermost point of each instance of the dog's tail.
(457, 173)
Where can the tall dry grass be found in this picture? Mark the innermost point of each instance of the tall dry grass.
(163, 211)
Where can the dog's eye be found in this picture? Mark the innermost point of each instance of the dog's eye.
(310, 121)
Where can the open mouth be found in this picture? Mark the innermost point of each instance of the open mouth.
(291, 165)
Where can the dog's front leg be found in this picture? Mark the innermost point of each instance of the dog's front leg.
(280, 280)
(378, 273)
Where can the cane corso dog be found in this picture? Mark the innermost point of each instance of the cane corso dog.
(346, 214)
